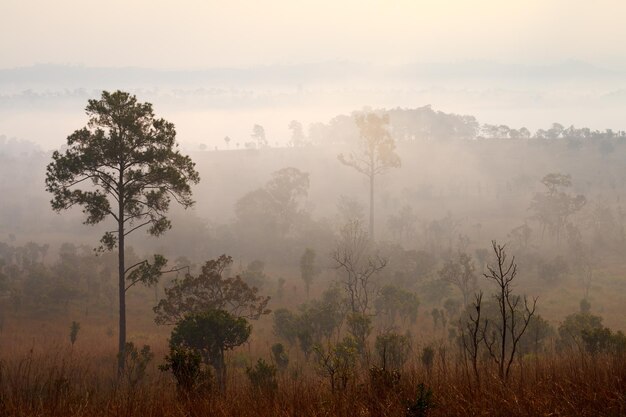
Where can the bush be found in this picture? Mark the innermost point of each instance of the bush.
(74, 328)
(186, 366)
(393, 350)
(383, 379)
(338, 362)
(135, 362)
(428, 357)
(263, 376)
(422, 404)
(280, 356)
(603, 340)
(573, 327)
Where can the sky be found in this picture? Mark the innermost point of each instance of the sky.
(310, 60)
(206, 33)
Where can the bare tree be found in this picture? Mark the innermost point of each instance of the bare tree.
(513, 318)
(473, 334)
(354, 257)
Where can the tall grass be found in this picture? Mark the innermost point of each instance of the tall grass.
(66, 383)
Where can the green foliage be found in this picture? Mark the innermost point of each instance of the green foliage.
(74, 328)
(210, 290)
(130, 159)
(146, 273)
(338, 362)
(123, 165)
(359, 327)
(316, 320)
(240, 360)
(394, 302)
(135, 362)
(322, 318)
(286, 325)
(603, 340)
(393, 349)
(186, 366)
(573, 327)
(263, 376)
(539, 332)
(211, 333)
(280, 357)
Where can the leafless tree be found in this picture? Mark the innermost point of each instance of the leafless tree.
(353, 256)
(473, 333)
(513, 317)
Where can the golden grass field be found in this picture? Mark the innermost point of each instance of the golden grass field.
(41, 374)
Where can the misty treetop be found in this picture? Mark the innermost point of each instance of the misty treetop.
(375, 153)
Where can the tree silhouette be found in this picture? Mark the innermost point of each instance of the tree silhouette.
(123, 165)
(308, 268)
(277, 207)
(297, 134)
(460, 273)
(376, 153)
(258, 135)
(514, 312)
(553, 208)
(210, 290)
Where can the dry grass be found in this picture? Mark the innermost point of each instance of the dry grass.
(66, 383)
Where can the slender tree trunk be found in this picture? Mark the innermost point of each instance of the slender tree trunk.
(504, 328)
(122, 296)
(121, 278)
(372, 206)
(221, 372)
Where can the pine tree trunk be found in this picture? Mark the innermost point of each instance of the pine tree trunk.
(122, 300)
(371, 206)
(121, 278)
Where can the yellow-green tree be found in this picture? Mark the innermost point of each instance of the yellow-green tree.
(375, 154)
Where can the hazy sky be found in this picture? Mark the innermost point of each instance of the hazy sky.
(207, 33)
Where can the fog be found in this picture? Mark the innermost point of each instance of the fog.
(276, 208)
(44, 103)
